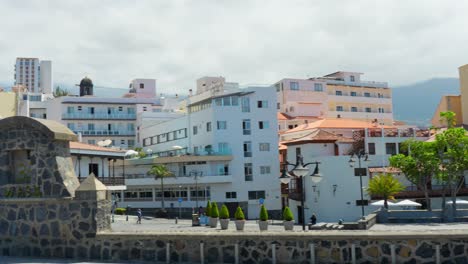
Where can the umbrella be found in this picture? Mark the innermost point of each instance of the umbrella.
(408, 203)
(130, 152)
(458, 201)
(381, 203)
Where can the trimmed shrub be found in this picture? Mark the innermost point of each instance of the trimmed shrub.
(214, 210)
(120, 211)
(208, 209)
(239, 215)
(263, 213)
(287, 214)
(224, 214)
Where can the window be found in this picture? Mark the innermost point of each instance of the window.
(318, 87)
(294, 86)
(91, 127)
(298, 151)
(145, 108)
(208, 127)
(371, 148)
(231, 195)
(122, 142)
(353, 94)
(353, 109)
(223, 169)
(221, 125)
(366, 94)
(262, 104)
(79, 108)
(351, 78)
(131, 110)
(195, 130)
(338, 93)
(368, 110)
(219, 101)
(291, 109)
(247, 149)
(381, 110)
(130, 127)
(245, 103)
(264, 169)
(71, 126)
(131, 142)
(278, 106)
(235, 100)
(223, 148)
(255, 195)
(91, 141)
(264, 146)
(339, 108)
(246, 127)
(248, 172)
(390, 148)
(263, 124)
(142, 85)
(227, 101)
(120, 108)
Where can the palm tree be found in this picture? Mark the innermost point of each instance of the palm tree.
(160, 172)
(386, 186)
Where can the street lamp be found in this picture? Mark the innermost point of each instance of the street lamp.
(360, 171)
(300, 170)
(196, 174)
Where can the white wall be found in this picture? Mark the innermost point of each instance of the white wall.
(46, 77)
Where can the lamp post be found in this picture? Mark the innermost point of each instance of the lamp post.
(360, 171)
(195, 175)
(180, 201)
(300, 170)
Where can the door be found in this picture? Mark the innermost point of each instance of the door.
(93, 168)
(299, 214)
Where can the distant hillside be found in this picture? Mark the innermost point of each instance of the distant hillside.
(416, 103)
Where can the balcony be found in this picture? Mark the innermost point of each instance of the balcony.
(98, 116)
(97, 133)
(361, 83)
(141, 179)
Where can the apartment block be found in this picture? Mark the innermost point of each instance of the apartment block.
(336, 95)
(224, 149)
(34, 75)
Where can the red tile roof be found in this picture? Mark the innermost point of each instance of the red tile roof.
(337, 124)
(319, 135)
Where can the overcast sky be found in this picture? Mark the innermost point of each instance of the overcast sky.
(250, 42)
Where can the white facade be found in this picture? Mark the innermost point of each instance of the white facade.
(228, 139)
(35, 75)
(144, 88)
(336, 196)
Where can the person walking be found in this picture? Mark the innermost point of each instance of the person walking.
(139, 215)
(313, 219)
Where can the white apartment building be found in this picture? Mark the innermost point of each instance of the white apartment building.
(330, 142)
(336, 95)
(223, 149)
(34, 74)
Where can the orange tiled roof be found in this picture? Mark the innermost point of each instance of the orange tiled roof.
(84, 146)
(338, 123)
(282, 116)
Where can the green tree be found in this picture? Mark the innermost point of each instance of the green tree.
(239, 215)
(224, 214)
(214, 210)
(263, 213)
(60, 92)
(385, 186)
(452, 150)
(419, 166)
(160, 172)
(208, 209)
(287, 214)
(449, 118)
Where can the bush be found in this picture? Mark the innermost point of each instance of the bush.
(208, 209)
(239, 215)
(224, 212)
(214, 210)
(287, 214)
(120, 211)
(263, 213)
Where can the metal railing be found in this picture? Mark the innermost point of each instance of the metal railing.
(105, 132)
(97, 116)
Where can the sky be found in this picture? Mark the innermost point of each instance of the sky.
(250, 42)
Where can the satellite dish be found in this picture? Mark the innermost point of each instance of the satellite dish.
(107, 142)
(101, 143)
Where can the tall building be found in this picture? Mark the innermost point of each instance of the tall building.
(224, 148)
(34, 74)
(336, 95)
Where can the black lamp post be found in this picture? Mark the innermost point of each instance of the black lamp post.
(300, 170)
(360, 171)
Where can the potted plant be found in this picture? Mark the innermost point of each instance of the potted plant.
(214, 214)
(208, 212)
(240, 219)
(224, 217)
(263, 223)
(288, 219)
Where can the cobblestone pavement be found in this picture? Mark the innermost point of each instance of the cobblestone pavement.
(12, 260)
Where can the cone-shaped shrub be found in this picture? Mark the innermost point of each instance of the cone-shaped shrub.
(239, 215)
(287, 214)
(214, 210)
(224, 214)
(208, 209)
(263, 213)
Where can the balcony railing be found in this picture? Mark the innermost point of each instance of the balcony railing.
(105, 132)
(103, 116)
(361, 83)
(146, 176)
(393, 132)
